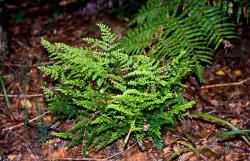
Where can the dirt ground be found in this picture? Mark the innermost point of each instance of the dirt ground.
(23, 138)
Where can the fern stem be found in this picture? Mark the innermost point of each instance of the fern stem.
(127, 137)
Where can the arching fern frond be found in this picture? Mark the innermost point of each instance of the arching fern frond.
(195, 27)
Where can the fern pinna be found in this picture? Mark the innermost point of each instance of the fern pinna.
(163, 28)
(237, 9)
(112, 94)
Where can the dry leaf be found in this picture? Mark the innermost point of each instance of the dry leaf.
(237, 73)
(26, 103)
(60, 153)
(167, 150)
(139, 156)
(234, 121)
(48, 119)
(214, 102)
(220, 73)
(11, 157)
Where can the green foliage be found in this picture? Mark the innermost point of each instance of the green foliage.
(164, 28)
(41, 127)
(18, 17)
(6, 98)
(235, 8)
(234, 132)
(112, 94)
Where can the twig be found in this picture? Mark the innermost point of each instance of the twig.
(127, 137)
(27, 65)
(22, 96)
(94, 159)
(226, 84)
(16, 126)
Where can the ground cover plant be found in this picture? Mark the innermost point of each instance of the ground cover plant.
(28, 128)
(134, 87)
(112, 94)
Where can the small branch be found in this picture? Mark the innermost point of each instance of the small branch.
(16, 126)
(27, 65)
(22, 96)
(226, 84)
(127, 137)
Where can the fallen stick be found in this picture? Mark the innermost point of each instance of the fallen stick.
(21, 124)
(28, 65)
(22, 96)
(226, 84)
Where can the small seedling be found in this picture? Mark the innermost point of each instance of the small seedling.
(42, 130)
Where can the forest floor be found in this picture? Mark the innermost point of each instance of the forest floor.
(25, 136)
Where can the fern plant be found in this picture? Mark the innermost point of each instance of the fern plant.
(114, 95)
(163, 28)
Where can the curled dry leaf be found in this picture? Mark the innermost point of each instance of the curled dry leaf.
(237, 73)
(25, 103)
(220, 73)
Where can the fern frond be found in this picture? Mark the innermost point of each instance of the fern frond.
(166, 28)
